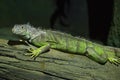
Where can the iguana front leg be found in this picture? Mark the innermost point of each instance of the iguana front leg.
(36, 51)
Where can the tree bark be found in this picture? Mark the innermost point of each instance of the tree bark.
(52, 65)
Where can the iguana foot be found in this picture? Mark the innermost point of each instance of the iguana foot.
(115, 61)
(34, 52)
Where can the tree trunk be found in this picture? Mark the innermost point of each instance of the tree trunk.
(114, 34)
(52, 65)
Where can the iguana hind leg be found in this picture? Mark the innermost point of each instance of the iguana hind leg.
(102, 57)
(92, 54)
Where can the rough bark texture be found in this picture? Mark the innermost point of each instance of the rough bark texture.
(114, 34)
(52, 65)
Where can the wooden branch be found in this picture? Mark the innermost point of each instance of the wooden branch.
(52, 65)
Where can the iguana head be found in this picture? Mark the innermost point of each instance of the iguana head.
(22, 30)
(26, 31)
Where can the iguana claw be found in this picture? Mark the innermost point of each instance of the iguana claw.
(33, 52)
(115, 61)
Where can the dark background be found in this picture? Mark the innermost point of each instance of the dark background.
(87, 18)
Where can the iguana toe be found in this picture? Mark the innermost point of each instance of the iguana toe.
(33, 52)
(115, 61)
(30, 49)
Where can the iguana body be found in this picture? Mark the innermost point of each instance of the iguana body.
(46, 39)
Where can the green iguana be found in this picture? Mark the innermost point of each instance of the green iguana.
(46, 39)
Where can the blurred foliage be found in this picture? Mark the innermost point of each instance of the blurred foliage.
(39, 12)
(114, 34)
(23, 11)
